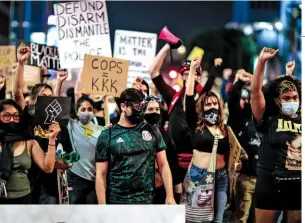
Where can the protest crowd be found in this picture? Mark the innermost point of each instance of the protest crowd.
(235, 151)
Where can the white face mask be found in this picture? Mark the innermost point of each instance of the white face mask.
(290, 108)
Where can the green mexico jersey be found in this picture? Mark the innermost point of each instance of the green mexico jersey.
(131, 162)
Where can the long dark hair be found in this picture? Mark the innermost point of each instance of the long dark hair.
(200, 111)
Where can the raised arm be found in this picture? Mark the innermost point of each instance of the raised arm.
(190, 105)
(23, 54)
(61, 77)
(46, 162)
(166, 91)
(216, 70)
(235, 92)
(78, 86)
(258, 103)
(155, 68)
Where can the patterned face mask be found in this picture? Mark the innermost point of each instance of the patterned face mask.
(211, 116)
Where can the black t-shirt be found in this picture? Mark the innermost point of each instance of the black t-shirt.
(177, 126)
(131, 162)
(37, 176)
(281, 146)
(243, 127)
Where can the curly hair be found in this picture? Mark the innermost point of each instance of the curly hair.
(200, 111)
(272, 91)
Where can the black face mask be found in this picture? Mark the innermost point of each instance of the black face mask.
(152, 118)
(211, 117)
(12, 127)
(136, 116)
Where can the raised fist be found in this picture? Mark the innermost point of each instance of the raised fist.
(23, 53)
(267, 53)
(218, 62)
(290, 67)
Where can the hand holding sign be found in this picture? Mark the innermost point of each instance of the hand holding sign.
(23, 53)
(48, 110)
(54, 129)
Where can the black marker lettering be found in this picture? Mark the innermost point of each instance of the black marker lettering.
(121, 70)
(112, 86)
(94, 83)
(104, 85)
(94, 67)
(105, 63)
(112, 65)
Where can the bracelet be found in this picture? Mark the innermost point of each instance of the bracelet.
(51, 145)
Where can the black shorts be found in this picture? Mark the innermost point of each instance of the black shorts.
(271, 194)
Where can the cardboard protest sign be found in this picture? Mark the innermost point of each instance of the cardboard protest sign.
(82, 28)
(137, 47)
(31, 75)
(104, 75)
(196, 52)
(49, 109)
(42, 55)
(235, 149)
(7, 59)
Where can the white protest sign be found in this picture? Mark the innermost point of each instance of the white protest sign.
(137, 47)
(82, 28)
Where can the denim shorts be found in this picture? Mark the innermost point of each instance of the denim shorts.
(221, 183)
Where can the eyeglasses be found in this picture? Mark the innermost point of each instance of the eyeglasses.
(7, 117)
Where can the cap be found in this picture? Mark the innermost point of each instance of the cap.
(185, 66)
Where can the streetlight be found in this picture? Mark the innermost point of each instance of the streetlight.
(278, 26)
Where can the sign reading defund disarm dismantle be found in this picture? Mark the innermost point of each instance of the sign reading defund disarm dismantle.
(137, 47)
(104, 75)
(82, 28)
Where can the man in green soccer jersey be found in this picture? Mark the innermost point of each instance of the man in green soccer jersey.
(126, 154)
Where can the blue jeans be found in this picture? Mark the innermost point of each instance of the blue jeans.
(221, 189)
(83, 191)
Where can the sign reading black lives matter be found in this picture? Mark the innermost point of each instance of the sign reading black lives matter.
(42, 55)
(104, 75)
(137, 47)
(82, 28)
(49, 109)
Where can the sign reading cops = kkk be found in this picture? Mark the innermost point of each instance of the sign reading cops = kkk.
(104, 75)
(82, 28)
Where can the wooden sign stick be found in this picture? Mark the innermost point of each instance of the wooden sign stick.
(106, 111)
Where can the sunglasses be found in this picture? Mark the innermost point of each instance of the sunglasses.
(139, 106)
(153, 98)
